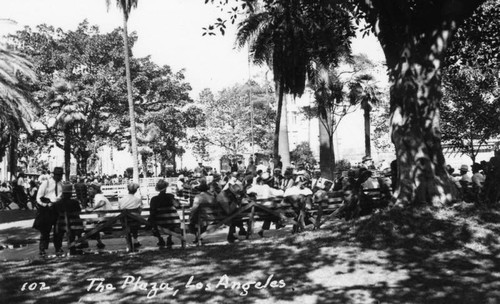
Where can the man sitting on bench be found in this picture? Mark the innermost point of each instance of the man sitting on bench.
(230, 201)
(164, 204)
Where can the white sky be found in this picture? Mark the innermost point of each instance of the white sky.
(169, 30)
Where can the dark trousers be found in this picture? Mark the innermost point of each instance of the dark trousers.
(45, 238)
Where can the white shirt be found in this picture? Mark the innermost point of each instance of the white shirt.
(264, 191)
(130, 201)
(48, 190)
(102, 203)
(295, 190)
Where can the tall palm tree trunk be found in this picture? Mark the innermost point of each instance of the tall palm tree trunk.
(284, 148)
(326, 151)
(133, 134)
(67, 153)
(281, 147)
(280, 93)
(368, 149)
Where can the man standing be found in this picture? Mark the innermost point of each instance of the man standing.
(49, 193)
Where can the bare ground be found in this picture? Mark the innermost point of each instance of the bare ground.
(450, 255)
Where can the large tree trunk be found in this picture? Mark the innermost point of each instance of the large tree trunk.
(326, 151)
(67, 153)
(414, 37)
(133, 134)
(416, 134)
(368, 149)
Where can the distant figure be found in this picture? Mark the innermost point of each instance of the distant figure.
(19, 192)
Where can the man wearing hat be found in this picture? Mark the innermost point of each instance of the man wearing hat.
(49, 193)
(70, 208)
(163, 203)
(204, 198)
(133, 204)
(230, 200)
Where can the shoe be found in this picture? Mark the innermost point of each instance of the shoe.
(242, 232)
(137, 245)
(261, 233)
(42, 253)
(59, 251)
(100, 245)
(161, 243)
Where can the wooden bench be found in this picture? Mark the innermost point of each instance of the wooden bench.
(213, 217)
(123, 222)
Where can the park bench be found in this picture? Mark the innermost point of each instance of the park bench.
(213, 217)
(122, 221)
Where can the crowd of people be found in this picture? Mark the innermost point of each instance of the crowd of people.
(300, 185)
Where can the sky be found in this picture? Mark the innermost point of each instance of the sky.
(168, 30)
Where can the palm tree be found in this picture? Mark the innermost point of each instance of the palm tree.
(17, 107)
(289, 36)
(126, 7)
(364, 90)
(331, 108)
(70, 112)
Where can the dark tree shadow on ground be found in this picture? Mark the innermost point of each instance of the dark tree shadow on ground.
(413, 256)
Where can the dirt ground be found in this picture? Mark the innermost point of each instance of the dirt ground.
(450, 255)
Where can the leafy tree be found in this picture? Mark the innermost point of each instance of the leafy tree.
(167, 128)
(303, 154)
(381, 130)
(69, 107)
(365, 91)
(471, 82)
(414, 36)
(17, 107)
(91, 62)
(470, 115)
(126, 7)
(228, 116)
(288, 39)
(331, 104)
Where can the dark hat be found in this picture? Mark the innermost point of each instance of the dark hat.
(235, 188)
(58, 170)
(95, 186)
(161, 185)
